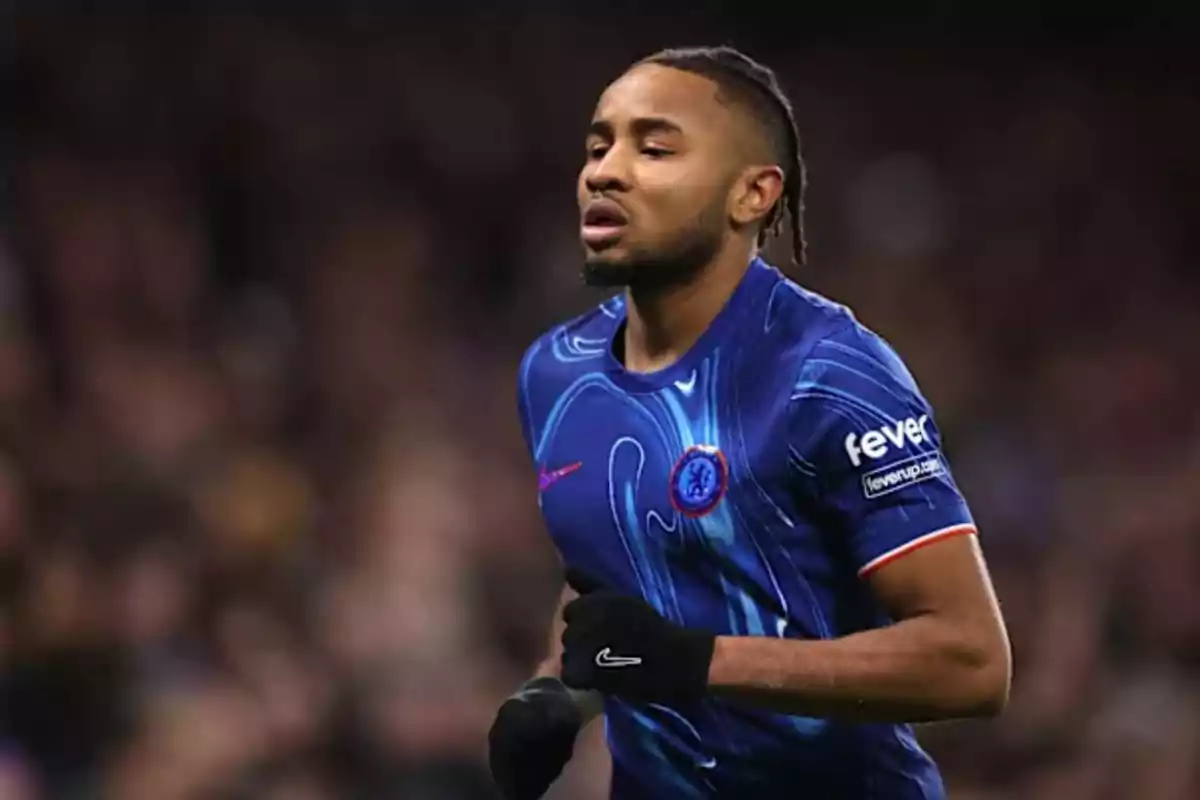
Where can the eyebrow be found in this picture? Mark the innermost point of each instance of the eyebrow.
(641, 126)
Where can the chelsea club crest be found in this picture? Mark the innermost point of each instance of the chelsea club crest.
(699, 480)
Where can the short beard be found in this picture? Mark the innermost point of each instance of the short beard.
(676, 264)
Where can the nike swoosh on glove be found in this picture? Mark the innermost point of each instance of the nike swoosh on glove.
(620, 645)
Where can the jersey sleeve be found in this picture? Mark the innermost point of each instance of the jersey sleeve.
(868, 453)
(524, 400)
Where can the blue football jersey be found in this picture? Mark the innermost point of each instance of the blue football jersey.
(746, 489)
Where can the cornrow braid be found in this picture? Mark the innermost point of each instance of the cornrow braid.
(756, 87)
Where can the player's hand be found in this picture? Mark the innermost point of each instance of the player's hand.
(620, 645)
(532, 738)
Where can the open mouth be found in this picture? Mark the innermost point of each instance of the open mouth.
(603, 222)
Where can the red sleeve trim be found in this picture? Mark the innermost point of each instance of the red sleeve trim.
(916, 544)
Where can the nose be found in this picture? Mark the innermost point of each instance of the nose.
(609, 173)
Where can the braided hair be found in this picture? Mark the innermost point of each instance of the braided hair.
(746, 82)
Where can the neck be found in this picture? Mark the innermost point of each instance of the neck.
(663, 324)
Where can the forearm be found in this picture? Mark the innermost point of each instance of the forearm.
(591, 704)
(917, 670)
(550, 667)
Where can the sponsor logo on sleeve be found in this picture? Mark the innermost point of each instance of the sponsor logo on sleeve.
(891, 440)
(902, 474)
(876, 444)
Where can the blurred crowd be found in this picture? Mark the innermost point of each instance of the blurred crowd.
(267, 527)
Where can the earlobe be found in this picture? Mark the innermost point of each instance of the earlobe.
(760, 189)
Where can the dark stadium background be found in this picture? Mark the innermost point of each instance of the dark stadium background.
(266, 526)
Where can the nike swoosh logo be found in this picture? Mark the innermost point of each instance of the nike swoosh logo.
(687, 386)
(548, 479)
(605, 658)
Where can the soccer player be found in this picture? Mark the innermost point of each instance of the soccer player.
(771, 570)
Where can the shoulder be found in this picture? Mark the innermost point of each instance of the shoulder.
(839, 370)
(825, 345)
(557, 358)
(799, 319)
(578, 343)
(852, 384)
(855, 358)
(792, 305)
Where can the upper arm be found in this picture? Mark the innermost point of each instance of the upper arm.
(524, 399)
(591, 703)
(947, 585)
(525, 415)
(868, 452)
(550, 664)
(950, 580)
(870, 456)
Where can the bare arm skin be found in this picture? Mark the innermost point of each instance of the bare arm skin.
(946, 656)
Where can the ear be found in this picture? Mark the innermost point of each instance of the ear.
(756, 192)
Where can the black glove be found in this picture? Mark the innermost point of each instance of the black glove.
(532, 738)
(620, 645)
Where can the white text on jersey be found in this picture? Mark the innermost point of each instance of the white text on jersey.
(874, 444)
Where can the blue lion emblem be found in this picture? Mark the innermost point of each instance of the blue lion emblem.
(699, 480)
